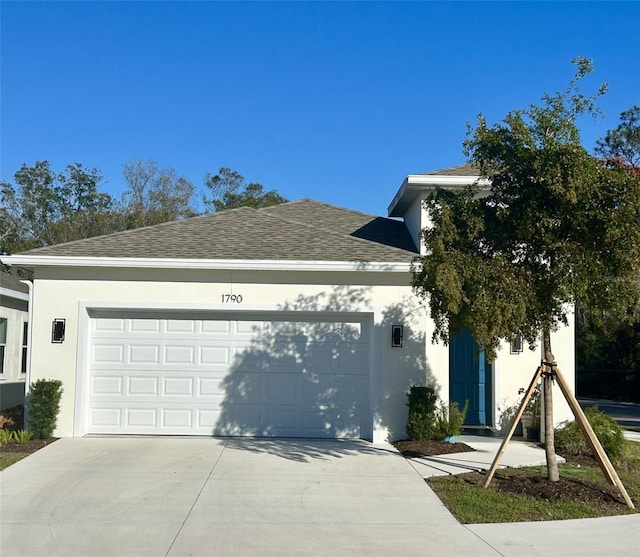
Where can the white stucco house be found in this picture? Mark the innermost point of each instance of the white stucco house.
(292, 320)
(14, 333)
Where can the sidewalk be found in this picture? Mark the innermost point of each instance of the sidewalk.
(519, 453)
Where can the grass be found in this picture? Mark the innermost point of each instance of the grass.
(7, 459)
(523, 495)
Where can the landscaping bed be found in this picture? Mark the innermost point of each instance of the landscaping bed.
(28, 447)
(525, 494)
(414, 449)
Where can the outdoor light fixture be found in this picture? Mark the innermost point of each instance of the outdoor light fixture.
(57, 331)
(397, 333)
(516, 344)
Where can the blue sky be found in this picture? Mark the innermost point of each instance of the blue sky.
(333, 101)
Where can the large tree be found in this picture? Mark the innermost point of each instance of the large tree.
(556, 229)
(228, 190)
(45, 207)
(154, 194)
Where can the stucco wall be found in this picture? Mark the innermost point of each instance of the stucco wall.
(515, 371)
(68, 293)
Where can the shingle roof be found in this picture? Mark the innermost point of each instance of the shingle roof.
(11, 283)
(466, 169)
(304, 230)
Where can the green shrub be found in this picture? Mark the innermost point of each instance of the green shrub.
(421, 424)
(449, 420)
(570, 439)
(43, 405)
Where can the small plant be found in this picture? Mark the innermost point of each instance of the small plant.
(12, 418)
(21, 436)
(421, 424)
(534, 404)
(5, 436)
(5, 422)
(43, 405)
(449, 420)
(570, 439)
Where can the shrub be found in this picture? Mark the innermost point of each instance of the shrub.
(570, 439)
(449, 420)
(421, 424)
(43, 405)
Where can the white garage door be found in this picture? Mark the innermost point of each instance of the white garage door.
(214, 375)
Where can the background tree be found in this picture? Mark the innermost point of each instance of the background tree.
(154, 195)
(620, 148)
(227, 190)
(45, 208)
(608, 349)
(557, 229)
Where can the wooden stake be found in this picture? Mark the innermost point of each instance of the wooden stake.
(592, 440)
(514, 424)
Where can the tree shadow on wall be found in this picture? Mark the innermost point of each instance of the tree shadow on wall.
(306, 374)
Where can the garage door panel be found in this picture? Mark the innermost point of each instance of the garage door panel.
(142, 386)
(143, 354)
(107, 354)
(177, 419)
(144, 325)
(180, 326)
(215, 375)
(178, 386)
(105, 385)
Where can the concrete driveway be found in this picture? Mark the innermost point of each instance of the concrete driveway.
(206, 496)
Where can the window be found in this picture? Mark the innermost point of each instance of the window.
(3, 341)
(25, 337)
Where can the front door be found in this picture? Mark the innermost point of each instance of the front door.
(470, 379)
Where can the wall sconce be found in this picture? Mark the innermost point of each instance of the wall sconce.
(516, 344)
(397, 333)
(57, 331)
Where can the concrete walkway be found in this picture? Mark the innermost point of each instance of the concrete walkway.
(205, 496)
(518, 453)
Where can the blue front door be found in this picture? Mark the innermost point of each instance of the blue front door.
(470, 379)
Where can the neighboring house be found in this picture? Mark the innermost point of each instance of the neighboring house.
(291, 320)
(14, 334)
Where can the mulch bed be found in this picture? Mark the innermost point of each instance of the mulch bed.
(414, 449)
(28, 447)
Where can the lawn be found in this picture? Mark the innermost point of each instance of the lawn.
(524, 494)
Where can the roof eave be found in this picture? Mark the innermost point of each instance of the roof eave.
(15, 294)
(31, 262)
(414, 184)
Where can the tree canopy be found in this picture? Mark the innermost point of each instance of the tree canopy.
(45, 207)
(228, 190)
(154, 195)
(557, 228)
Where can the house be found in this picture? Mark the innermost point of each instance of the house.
(14, 333)
(291, 320)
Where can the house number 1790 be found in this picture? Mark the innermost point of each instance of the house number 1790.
(231, 298)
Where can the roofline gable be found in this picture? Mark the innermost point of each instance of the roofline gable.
(415, 184)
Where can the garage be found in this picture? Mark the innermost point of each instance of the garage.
(229, 373)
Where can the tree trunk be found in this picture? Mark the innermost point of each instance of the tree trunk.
(549, 444)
